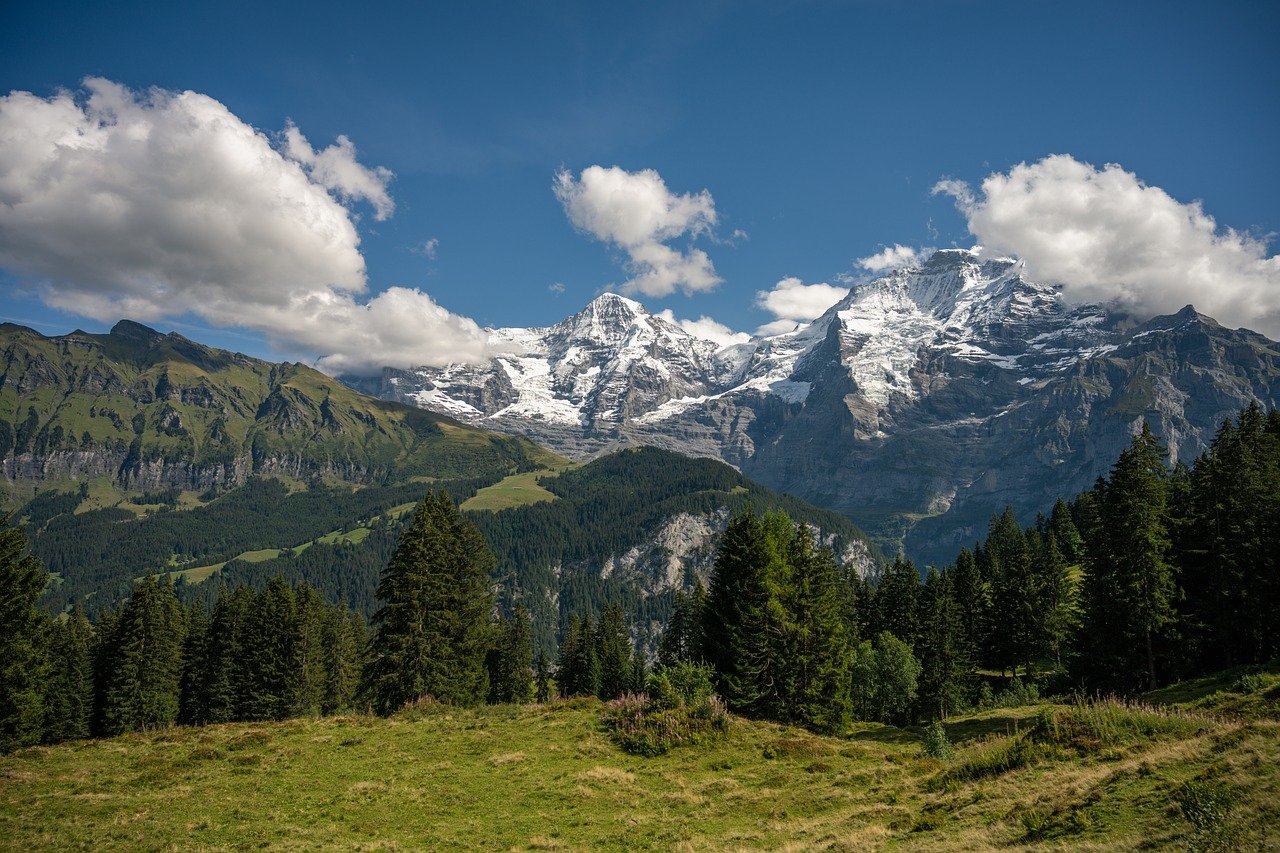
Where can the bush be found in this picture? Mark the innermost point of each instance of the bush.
(654, 724)
(936, 744)
(1249, 684)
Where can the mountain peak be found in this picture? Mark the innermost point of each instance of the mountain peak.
(610, 301)
(135, 332)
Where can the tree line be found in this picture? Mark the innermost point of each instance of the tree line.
(1151, 575)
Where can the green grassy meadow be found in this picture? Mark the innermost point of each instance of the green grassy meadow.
(549, 778)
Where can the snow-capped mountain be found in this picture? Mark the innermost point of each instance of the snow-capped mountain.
(918, 405)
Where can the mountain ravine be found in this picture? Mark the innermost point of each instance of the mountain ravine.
(918, 406)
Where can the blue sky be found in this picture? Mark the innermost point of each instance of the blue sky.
(817, 129)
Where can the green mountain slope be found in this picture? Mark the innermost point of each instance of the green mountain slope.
(632, 527)
(146, 411)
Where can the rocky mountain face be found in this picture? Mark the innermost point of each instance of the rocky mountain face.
(918, 406)
(150, 411)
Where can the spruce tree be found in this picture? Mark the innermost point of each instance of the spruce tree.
(896, 601)
(271, 655)
(432, 630)
(341, 660)
(22, 580)
(744, 627)
(1130, 585)
(818, 653)
(511, 680)
(577, 659)
(674, 646)
(193, 698)
(945, 666)
(542, 680)
(613, 649)
(309, 634)
(145, 670)
(1015, 609)
(225, 677)
(68, 697)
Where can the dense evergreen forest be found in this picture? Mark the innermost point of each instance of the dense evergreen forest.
(547, 554)
(1150, 576)
(98, 554)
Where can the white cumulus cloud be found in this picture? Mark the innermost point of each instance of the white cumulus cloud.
(337, 169)
(707, 329)
(1104, 235)
(115, 203)
(791, 302)
(891, 258)
(637, 213)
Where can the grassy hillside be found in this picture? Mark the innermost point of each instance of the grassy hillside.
(548, 777)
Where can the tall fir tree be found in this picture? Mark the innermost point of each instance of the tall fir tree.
(1015, 595)
(1130, 586)
(145, 671)
(578, 673)
(341, 647)
(818, 652)
(613, 649)
(542, 679)
(897, 601)
(744, 626)
(432, 630)
(271, 653)
(945, 666)
(225, 676)
(68, 697)
(510, 679)
(193, 696)
(309, 675)
(22, 661)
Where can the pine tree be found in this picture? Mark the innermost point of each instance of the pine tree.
(613, 649)
(145, 670)
(945, 666)
(744, 628)
(341, 651)
(22, 580)
(674, 645)
(225, 677)
(818, 654)
(510, 679)
(896, 601)
(432, 632)
(309, 676)
(578, 673)
(68, 697)
(1057, 596)
(1130, 587)
(1015, 609)
(971, 602)
(193, 697)
(639, 672)
(542, 680)
(271, 653)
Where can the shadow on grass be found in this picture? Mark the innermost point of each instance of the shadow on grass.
(959, 731)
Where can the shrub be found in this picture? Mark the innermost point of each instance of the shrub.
(653, 725)
(993, 757)
(936, 744)
(1249, 684)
